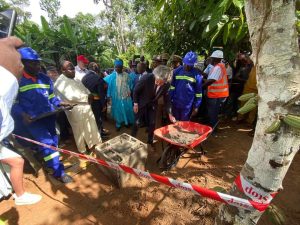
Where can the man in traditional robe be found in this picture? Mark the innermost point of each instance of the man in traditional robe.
(120, 85)
(81, 117)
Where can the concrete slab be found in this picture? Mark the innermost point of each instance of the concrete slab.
(125, 150)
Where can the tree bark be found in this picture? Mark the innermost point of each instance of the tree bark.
(276, 56)
(121, 32)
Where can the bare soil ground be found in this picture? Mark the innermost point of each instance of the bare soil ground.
(93, 199)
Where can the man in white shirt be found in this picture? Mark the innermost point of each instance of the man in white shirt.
(81, 117)
(208, 69)
(81, 68)
(11, 69)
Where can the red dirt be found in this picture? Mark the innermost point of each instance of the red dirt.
(92, 198)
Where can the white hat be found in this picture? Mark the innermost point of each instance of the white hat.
(217, 54)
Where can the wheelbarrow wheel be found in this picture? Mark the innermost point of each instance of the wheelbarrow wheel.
(170, 157)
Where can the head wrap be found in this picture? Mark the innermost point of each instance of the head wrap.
(118, 62)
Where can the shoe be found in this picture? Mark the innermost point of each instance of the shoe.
(153, 142)
(27, 199)
(105, 132)
(65, 179)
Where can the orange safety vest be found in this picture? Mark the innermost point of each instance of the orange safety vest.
(220, 88)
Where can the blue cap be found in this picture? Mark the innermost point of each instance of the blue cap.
(118, 62)
(29, 54)
(190, 58)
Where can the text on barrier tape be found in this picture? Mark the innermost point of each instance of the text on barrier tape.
(256, 204)
(256, 194)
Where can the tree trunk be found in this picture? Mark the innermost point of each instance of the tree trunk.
(276, 56)
(121, 32)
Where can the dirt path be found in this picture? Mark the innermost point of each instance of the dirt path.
(92, 199)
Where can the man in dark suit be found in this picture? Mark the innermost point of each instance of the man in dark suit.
(145, 96)
(96, 85)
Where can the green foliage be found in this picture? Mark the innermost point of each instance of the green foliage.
(118, 25)
(178, 26)
(3, 5)
(51, 7)
(128, 55)
(64, 41)
(131, 27)
(106, 59)
(85, 20)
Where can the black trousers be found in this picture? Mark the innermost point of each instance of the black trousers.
(64, 125)
(148, 112)
(97, 110)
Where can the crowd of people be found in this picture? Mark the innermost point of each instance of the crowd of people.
(170, 89)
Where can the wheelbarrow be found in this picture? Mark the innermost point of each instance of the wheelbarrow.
(180, 136)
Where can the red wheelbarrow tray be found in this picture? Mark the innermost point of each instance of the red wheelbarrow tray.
(202, 130)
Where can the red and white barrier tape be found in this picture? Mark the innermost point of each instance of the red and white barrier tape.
(204, 192)
(256, 194)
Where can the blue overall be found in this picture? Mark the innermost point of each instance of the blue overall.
(36, 97)
(185, 92)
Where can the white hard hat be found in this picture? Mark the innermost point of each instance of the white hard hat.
(217, 54)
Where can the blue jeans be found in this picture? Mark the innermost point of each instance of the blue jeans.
(213, 108)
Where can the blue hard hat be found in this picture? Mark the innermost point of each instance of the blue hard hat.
(29, 54)
(190, 58)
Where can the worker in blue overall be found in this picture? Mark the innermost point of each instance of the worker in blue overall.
(186, 89)
(36, 97)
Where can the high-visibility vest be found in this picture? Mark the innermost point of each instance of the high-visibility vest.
(220, 88)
